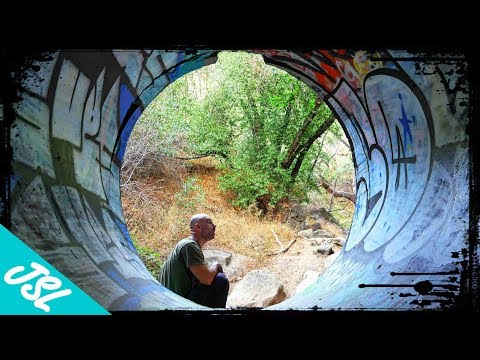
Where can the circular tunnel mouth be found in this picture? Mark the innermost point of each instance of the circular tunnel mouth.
(187, 179)
(407, 132)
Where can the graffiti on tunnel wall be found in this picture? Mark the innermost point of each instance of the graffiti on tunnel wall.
(68, 138)
(401, 129)
(405, 119)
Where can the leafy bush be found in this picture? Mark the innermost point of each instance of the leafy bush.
(191, 196)
(149, 257)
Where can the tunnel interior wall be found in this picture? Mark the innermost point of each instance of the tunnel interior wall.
(405, 117)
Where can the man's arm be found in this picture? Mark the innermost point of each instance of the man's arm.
(204, 273)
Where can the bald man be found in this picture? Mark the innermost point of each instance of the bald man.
(186, 273)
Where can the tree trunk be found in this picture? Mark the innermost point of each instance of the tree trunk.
(257, 122)
(293, 151)
(331, 190)
(332, 195)
(286, 121)
(315, 162)
(296, 168)
(303, 149)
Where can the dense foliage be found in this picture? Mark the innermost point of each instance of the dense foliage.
(259, 121)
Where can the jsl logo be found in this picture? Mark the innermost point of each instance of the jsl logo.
(45, 282)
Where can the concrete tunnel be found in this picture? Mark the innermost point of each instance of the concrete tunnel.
(406, 118)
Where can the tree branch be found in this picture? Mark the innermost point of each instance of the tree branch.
(327, 186)
(199, 156)
(282, 249)
(276, 238)
(304, 147)
(296, 142)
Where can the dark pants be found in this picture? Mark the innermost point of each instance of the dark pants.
(214, 295)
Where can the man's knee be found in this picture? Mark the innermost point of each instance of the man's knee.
(221, 281)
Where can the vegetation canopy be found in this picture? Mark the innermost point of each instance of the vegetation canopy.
(236, 132)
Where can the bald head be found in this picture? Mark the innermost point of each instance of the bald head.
(195, 218)
(202, 228)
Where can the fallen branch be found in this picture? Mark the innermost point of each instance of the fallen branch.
(199, 156)
(282, 249)
(327, 186)
(276, 238)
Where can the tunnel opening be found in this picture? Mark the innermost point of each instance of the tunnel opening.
(172, 169)
(405, 115)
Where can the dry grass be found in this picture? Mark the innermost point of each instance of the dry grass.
(157, 220)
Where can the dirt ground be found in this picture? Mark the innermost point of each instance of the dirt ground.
(290, 266)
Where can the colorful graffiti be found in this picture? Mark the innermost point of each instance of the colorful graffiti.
(405, 116)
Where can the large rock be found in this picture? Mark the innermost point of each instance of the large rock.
(324, 249)
(233, 264)
(321, 233)
(338, 241)
(259, 288)
(220, 256)
(322, 213)
(236, 267)
(305, 233)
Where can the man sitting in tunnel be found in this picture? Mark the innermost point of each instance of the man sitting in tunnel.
(186, 273)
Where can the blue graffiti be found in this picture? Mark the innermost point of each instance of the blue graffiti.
(132, 303)
(126, 99)
(116, 276)
(13, 181)
(404, 120)
(176, 71)
(123, 227)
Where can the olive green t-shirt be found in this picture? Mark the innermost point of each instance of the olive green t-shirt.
(175, 273)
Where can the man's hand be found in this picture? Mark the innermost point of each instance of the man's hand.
(217, 267)
(204, 273)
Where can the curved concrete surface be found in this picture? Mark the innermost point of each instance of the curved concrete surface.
(406, 119)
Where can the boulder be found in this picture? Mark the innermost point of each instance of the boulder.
(259, 288)
(324, 249)
(220, 256)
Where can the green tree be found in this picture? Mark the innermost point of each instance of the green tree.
(261, 122)
(271, 121)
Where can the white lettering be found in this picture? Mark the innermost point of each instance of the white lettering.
(46, 282)
(40, 302)
(39, 269)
